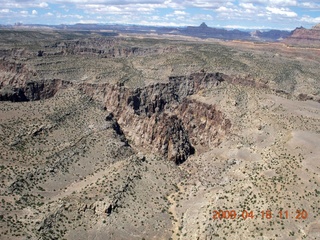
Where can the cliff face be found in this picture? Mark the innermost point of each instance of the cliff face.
(304, 37)
(32, 90)
(102, 47)
(162, 118)
(205, 123)
(308, 34)
(20, 83)
(159, 117)
(14, 73)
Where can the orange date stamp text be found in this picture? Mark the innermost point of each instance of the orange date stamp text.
(264, 214)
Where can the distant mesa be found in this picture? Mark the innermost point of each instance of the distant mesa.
(203, 31)
(305, 37)
(272, 35)
(317, 27)
(300, 36)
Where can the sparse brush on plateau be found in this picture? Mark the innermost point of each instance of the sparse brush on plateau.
(137, 136)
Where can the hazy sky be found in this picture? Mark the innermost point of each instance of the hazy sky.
(280, 14)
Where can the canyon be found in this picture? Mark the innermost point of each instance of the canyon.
(144, 137)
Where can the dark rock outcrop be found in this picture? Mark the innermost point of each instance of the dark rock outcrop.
(162, 118)
(19, 83)
(12, 94)
(33, 90)
(158, 116)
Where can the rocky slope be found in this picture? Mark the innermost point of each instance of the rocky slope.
(162, 117)
(159, 116)
(77, 167)
(19, 82)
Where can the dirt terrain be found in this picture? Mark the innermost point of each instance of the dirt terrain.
(147, 137)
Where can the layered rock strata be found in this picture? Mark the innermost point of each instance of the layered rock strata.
(162, 118)
(102, 47)
(158, 117)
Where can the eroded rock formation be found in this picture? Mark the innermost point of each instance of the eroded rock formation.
(32, 90)
(161, 118)
(102, 47)
(19, 83)
(304, 37)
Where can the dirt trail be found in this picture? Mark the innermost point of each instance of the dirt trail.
(80, 185)
(176, 221)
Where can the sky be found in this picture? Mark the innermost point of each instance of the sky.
(241, 14)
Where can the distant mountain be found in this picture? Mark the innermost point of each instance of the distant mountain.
(203, 25)
(203, 31)
(272, 35)
(304, 37)
(300, 36)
